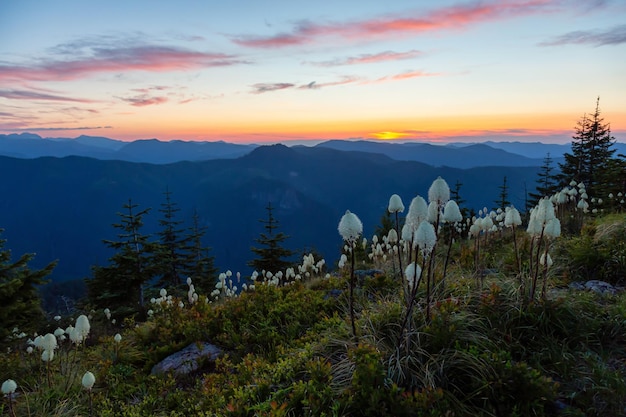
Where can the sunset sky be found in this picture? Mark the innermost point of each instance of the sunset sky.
(276, 71)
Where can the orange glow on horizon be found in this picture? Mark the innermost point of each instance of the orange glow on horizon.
(433, 129)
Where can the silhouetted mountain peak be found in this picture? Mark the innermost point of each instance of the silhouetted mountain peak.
(277, 151)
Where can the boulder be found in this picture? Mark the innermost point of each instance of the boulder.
(187, 360)
(600, 287)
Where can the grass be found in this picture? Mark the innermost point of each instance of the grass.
(485, 349)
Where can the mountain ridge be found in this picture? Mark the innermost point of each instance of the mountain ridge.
(61, 208)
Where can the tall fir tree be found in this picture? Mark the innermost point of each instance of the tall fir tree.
(171, 258)
(547, 182)
(503, 197)
(455, 194)
(119, 286)
(271, 255)
(592, 150)
(200, 265)
(20, 305)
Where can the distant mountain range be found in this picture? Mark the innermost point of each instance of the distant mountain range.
(62, 208)
(457, 155)
(28, 145)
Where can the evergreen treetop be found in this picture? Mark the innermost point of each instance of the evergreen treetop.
(271, 255)
(20, 305)
(119, 286)
(547, 183)
(592, 150)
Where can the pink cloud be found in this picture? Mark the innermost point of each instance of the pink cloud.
(452, 17)
(404, 76)
(371, 58)
(107, 60)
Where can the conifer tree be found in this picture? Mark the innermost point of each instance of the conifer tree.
(592, 150)
(546, 181)
(503, 197)
(456, 196)
(170, 257)
(119, 286)
(20, 305)
(199, 266)
(271, 255)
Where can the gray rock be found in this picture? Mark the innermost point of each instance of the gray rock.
(600, 287)
(187, 360)
(576, 286)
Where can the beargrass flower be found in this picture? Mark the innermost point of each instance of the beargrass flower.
(433, 212)
(425, 237)
(83, 327)
(49, 342)
(418, 212)
(451, 212)
(392, 236)
(47, 355)
(395, 204)
(412, 274)
(117, 338)
(439, 192)
(512, 217)
(552, 228)
(545, 260)
(8, 387)
(350, 227)
(88, 380)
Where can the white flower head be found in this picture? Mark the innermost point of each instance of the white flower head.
(552, 228)
(392, 236)
(418, 212)
(407, 233)
(88, 380)
(83, 326)
(439, 192)
(8, 387)
(433, 212)
(512, 217)
(425, 237)
(49, 342)
(47, 355)
(545, 260)
(350, 227)
(117, 338)
(395, 204)
(412, 273)
(451, 212)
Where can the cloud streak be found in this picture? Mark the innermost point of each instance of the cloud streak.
(144, 100)
(54, 129)
(33, 95)
(451, 17)
(261, 88)
(108, 59)
(405, 76)
(371, 58)
(613, 36)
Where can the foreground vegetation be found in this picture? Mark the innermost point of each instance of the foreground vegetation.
(484, 350)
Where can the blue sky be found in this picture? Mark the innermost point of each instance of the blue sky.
(282, 70)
